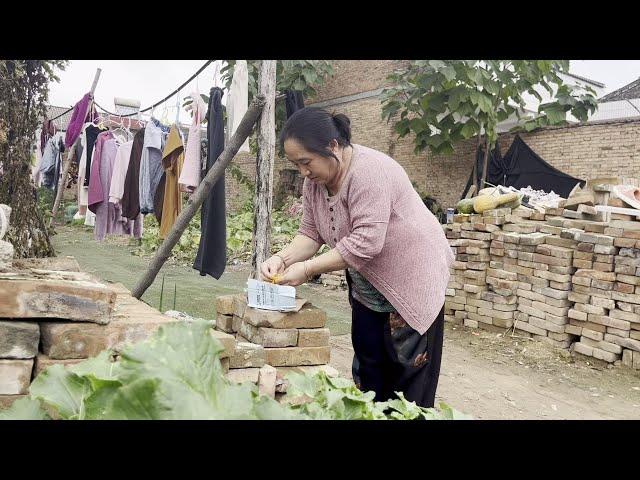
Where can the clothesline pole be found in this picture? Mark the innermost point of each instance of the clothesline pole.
(264, 166)
(199, 196)
(70, 150)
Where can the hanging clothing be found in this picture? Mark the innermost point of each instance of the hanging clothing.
(48, 130)
(78, 149)
(120, 167)
(293, 101)
(49, 164)
(97, 194)
(190, 176)
(92, 133)
(58, 170)
(130, 195)
(116, 191)
(238, 101)
(90, 218)
(108, 219)
(150, 166)
(83, 191)
(78, 118)
(35, 171)
(168, 199)
(212, 251)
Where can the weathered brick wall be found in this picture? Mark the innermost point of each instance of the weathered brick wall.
(584, 151)
(356, 76)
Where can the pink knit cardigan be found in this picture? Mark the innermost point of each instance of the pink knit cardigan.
(381, 228)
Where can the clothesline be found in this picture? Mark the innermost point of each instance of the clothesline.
(200, 70)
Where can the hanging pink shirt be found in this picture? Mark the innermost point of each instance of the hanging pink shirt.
(190, 176)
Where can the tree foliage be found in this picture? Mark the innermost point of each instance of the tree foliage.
(442, 102)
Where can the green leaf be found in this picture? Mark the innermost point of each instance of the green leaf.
(469, 129)
(555, 112)
(139, 400)
(24, 409)
(63, 390)
(449, 72)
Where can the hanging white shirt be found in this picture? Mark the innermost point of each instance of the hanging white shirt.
(238, 101)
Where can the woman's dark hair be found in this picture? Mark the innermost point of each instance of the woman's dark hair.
(315, 128)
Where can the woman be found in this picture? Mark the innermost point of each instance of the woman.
(360, 202)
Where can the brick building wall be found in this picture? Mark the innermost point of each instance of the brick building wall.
(583, 150)
(597, 149)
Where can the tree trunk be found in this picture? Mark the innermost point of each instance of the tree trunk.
(27, 232)
(475, 160)
(199, 196)
(486, 161)
(264, 167)
(23, 91)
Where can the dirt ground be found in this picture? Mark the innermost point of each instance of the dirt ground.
(487, 375)
(506, 378)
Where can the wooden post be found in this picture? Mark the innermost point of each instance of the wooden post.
(67, 164)
(264, 167)
(199, 196)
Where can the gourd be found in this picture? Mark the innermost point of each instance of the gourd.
(465, 205)
(482, 203)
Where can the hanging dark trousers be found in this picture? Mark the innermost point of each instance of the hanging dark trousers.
(294, 101)
(212, 251)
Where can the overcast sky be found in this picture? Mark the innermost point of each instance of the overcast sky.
(151, 80)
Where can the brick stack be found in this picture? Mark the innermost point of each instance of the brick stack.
(79, 328)
(607, 297)
(543, 270)
(278, 339)
(592, 294)
(455, 299)
(270, 344)
(471, 243)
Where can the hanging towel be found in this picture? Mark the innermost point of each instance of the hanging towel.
(131, 194)
(294, 101)
(168, 199)
(212, 251)
(190, 176)
(238, 101)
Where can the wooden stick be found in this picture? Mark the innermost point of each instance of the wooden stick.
(67, 164)
(199, 196)
(264, 167)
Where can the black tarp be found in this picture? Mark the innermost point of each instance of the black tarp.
(522, 167)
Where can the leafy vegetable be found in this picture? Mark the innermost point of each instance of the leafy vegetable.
(176, 374)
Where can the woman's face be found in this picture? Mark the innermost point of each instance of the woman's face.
(315, 167)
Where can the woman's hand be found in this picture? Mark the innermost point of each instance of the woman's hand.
(294, 275)
(271, 267)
